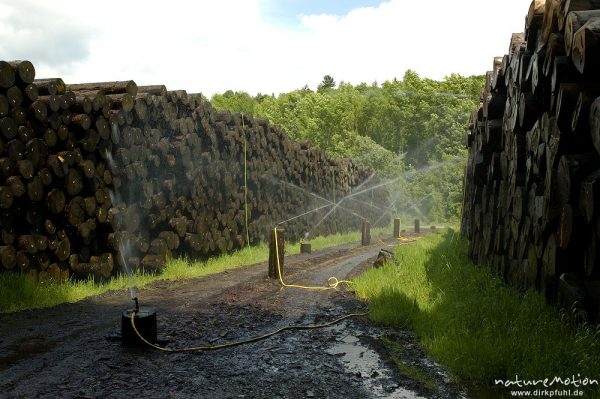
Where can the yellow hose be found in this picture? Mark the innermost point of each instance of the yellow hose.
(406, 240)
(241, 342)
(333, 282)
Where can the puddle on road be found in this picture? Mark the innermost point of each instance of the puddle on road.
(366, 363)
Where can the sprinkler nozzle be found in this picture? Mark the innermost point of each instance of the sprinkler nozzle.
(133, 294)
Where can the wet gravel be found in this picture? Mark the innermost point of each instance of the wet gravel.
(74, 350)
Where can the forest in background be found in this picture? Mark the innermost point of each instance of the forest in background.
(410, 131)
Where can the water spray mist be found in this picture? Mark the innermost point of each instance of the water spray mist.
(144, 317)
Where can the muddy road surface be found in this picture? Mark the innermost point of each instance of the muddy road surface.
(74, 350)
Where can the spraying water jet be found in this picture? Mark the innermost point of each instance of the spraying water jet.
(144, 317)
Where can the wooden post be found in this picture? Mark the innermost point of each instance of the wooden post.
(396, 228)
(366, 233)
(274, 267)
(305, 248)
(417, 226)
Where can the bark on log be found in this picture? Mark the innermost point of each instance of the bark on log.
(158, 90)
(8, 257)
(24, 71)
(14, 96)
(4, 105)
(40, 110)
(7, 75)
(50, 86)
(127, 86)
(554, 48)
(8, 127)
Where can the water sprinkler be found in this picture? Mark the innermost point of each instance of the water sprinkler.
(305, 247)
(145, 322)
(133, 294)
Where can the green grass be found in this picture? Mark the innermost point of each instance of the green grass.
(19, 292)
(470, 321)
(333, 240)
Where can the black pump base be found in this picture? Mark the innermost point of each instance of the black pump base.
(145, 323)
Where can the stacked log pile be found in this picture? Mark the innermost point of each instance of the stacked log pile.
(531, 208)
(101, 174)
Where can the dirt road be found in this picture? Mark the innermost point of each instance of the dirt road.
(72, 351)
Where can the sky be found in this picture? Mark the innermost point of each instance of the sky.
(257, 46)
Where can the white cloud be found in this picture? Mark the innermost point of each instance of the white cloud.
(40, 31)
(212, 46)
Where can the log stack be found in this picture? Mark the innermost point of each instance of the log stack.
(532, 197)
(99, 175)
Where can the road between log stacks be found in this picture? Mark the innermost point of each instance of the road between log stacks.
(74, 350)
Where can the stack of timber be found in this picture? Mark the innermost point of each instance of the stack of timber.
(101, 175)
(532, 197)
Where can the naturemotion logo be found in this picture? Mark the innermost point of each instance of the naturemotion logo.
(572, 381)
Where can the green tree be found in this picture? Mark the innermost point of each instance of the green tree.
(327, 83)
(410, 129)
(238, 101)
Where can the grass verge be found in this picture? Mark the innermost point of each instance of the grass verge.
(19, 292)
(481, 329)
